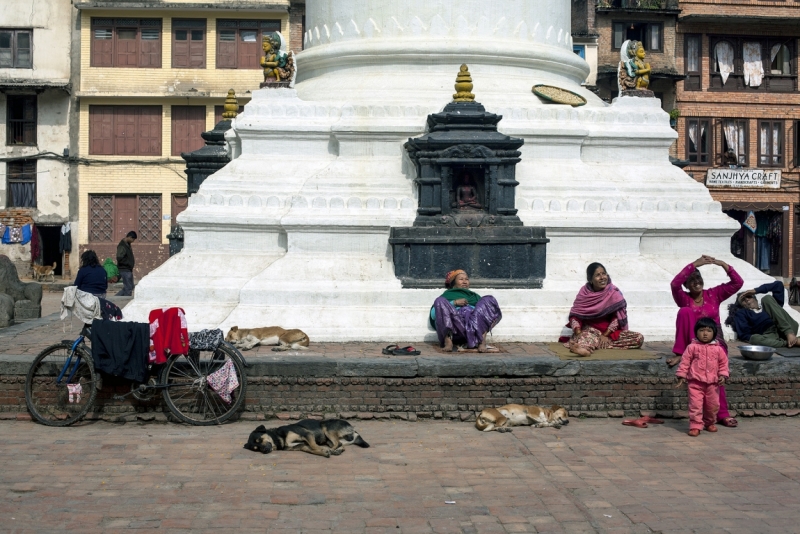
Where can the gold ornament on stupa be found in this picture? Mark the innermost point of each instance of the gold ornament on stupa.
(463, 86)
(231, 107)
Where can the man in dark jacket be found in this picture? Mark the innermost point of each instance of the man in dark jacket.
(770, 327)
(125, 263)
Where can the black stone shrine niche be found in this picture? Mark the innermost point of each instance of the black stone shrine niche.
(466, 217)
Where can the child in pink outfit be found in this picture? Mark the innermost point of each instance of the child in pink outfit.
(704, 365)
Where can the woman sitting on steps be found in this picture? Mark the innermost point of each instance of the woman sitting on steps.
(462, 317)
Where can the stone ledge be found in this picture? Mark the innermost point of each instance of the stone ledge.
(474, 366)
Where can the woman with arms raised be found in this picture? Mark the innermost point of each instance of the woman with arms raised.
(697, 303)
(599, 317)
(461, 316)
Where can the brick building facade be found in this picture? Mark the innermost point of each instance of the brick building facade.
(150, 82)
(739, 111)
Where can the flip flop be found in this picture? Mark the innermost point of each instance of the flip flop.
(390, 349)
(638, 423)
(405, 351)
(651, 420)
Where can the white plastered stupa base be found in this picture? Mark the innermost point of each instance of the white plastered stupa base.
(294, 231)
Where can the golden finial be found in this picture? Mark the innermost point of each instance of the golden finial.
(231, 107)
(463, 86)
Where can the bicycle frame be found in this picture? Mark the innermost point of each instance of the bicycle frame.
(69, 360)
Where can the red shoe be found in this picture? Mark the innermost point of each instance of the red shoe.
(651, 420)
(711, 428)
(638, 423)
(694, 432)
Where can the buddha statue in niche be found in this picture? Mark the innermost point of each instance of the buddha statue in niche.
(467, 193)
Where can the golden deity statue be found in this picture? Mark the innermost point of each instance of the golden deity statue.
(278, 66)
(634, 73)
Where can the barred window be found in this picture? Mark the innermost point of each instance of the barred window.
(239, 42)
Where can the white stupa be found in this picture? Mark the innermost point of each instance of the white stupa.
(294, 231)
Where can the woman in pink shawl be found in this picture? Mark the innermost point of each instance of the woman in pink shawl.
(598, 317)
(696, 303)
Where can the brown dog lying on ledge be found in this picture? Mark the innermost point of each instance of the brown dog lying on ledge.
(504, 417)
(247, 338)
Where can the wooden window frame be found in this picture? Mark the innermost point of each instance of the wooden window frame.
(144, 59)
(781, 158)
(21, 171)
(708, 144)
(645, 40)
(771, 83)
(719, 134)
(693, 81)
(109, 202)
(797, 153)
(14, 49)
(101, 143)
(190, 26)
(20, 128)
(262, 27)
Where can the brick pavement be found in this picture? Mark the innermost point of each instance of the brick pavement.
(590, 476)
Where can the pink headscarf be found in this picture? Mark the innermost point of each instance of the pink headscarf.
(592, 305)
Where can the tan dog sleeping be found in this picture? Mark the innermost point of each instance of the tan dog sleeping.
(504, 417)
(247, 338)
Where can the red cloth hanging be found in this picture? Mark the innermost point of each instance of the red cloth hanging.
(168, 334)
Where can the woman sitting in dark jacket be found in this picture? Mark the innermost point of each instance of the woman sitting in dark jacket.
(92, 278)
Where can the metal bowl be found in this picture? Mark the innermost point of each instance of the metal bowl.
(757, 352)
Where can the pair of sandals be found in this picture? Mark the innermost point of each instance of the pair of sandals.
(642, 421)
(397, 350)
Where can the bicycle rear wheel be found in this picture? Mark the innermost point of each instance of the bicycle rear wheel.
(188, 394)
(60, 403)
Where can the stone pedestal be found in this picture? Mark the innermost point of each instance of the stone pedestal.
(25, 310)
(496, 257)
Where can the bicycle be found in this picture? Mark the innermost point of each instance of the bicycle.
(62, 384)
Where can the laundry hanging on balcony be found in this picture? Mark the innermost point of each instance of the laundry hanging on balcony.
(752, 67)
(723, 53)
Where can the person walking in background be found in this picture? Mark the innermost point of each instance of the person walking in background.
(125, 263)
(704, 365)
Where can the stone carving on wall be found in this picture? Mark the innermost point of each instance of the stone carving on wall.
(633, 72)
(278, 65)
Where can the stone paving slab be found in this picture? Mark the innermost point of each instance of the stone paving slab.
(590, 476)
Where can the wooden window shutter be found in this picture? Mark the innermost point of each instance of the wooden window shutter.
(249, 49)
(149, 131)
(126, 41)
(101, 130)
(125, 130)
(150, 45)
(102, 49)
(180, 47)
(226, 48)
(197, 49)
(188, 122)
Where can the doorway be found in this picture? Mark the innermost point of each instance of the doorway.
(50, 236)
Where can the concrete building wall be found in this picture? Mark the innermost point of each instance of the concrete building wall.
(51, 23)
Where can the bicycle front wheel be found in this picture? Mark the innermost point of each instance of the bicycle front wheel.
(61, 402)
(193, 398)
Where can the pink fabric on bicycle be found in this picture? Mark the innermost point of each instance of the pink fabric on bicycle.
(224, 381)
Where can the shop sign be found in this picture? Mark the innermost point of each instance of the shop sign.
(743, 178)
